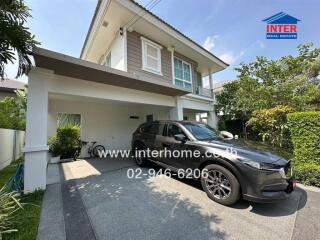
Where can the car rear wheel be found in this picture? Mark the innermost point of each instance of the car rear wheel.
(220, 185)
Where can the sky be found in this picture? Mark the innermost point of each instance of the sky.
(231, 29)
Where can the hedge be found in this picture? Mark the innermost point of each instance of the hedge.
(308, 173)
(305, 135)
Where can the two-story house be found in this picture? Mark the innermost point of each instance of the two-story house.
(134, 67)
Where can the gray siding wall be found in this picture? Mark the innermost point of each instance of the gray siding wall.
(134, 61)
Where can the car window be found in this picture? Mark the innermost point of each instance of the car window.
(173, 130)
(146, 128)
(160, 129)
(202, 131)
(154, 129)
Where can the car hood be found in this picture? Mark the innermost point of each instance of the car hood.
(243, 151)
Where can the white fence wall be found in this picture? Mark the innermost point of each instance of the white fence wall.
(11, 146)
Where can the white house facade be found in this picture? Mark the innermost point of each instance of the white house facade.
(134, 67)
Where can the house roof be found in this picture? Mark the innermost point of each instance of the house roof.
(281, 18)
(10, 85)
(159, 19)
(68, 66)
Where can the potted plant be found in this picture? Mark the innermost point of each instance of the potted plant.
(54, 149)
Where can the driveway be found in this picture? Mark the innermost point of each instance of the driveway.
(94, 199)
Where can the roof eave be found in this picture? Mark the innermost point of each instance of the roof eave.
(68, 66)
(199, 48)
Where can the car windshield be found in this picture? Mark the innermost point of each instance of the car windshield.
(202, 131)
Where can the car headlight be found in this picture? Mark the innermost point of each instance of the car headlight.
(262, 166)
(251, 163)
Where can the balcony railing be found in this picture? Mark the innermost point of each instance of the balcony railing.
(205, 92)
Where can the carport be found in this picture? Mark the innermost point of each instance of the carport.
(111, 103)
(109, 122)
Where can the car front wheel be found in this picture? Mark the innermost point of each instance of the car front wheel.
(220, 185)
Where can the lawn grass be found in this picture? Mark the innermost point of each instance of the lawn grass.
(26, 220)
(9, 171)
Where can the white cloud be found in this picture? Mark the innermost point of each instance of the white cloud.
(209, 43)
(230, 57)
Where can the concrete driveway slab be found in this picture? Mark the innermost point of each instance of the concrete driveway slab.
(159, 207)
(109, 205)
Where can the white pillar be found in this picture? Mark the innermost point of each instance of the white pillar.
(176, 113)
(210, 82)
(36, 148)
(212, 119)
(171, 50)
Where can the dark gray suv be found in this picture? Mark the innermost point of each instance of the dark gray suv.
(228, 169)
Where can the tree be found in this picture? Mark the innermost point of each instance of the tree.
(272, 124)
(13, 110)
(14, 36)
(291, 81)
(227, 103)
(11, 114)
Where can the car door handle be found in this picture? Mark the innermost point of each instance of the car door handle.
(165, 145)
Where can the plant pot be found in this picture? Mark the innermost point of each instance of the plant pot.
(55, 159)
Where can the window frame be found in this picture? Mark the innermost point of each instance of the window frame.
(105, 61)
(166, 130)
(151, 125)
(81, 120)
(144, 44)
(179, 79)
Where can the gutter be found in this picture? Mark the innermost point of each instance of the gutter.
(91, 25)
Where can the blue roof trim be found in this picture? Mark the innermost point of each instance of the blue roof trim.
(281, 18)
(274, 17)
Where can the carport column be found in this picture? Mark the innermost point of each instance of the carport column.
(210, 82)
(212, 119)
(36, 148)
(176, 113)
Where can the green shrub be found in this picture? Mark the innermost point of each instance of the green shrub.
(54, 146)
(66, 141)
(271, 125)
(305, 134)
(9, 204)
(221, 125)
(11, 114)
(308, 173)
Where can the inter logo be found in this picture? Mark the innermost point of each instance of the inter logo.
(281, 26)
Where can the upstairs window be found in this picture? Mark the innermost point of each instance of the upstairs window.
(151, 56)
(182, 73)
(108, 60)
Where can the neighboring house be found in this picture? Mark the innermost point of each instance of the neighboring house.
(133, 68)
(9, 86)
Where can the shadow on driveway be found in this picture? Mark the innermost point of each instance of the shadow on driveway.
(100, 199)
(278, 208)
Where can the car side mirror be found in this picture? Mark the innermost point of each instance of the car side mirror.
(180, 137)
(226, 135)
